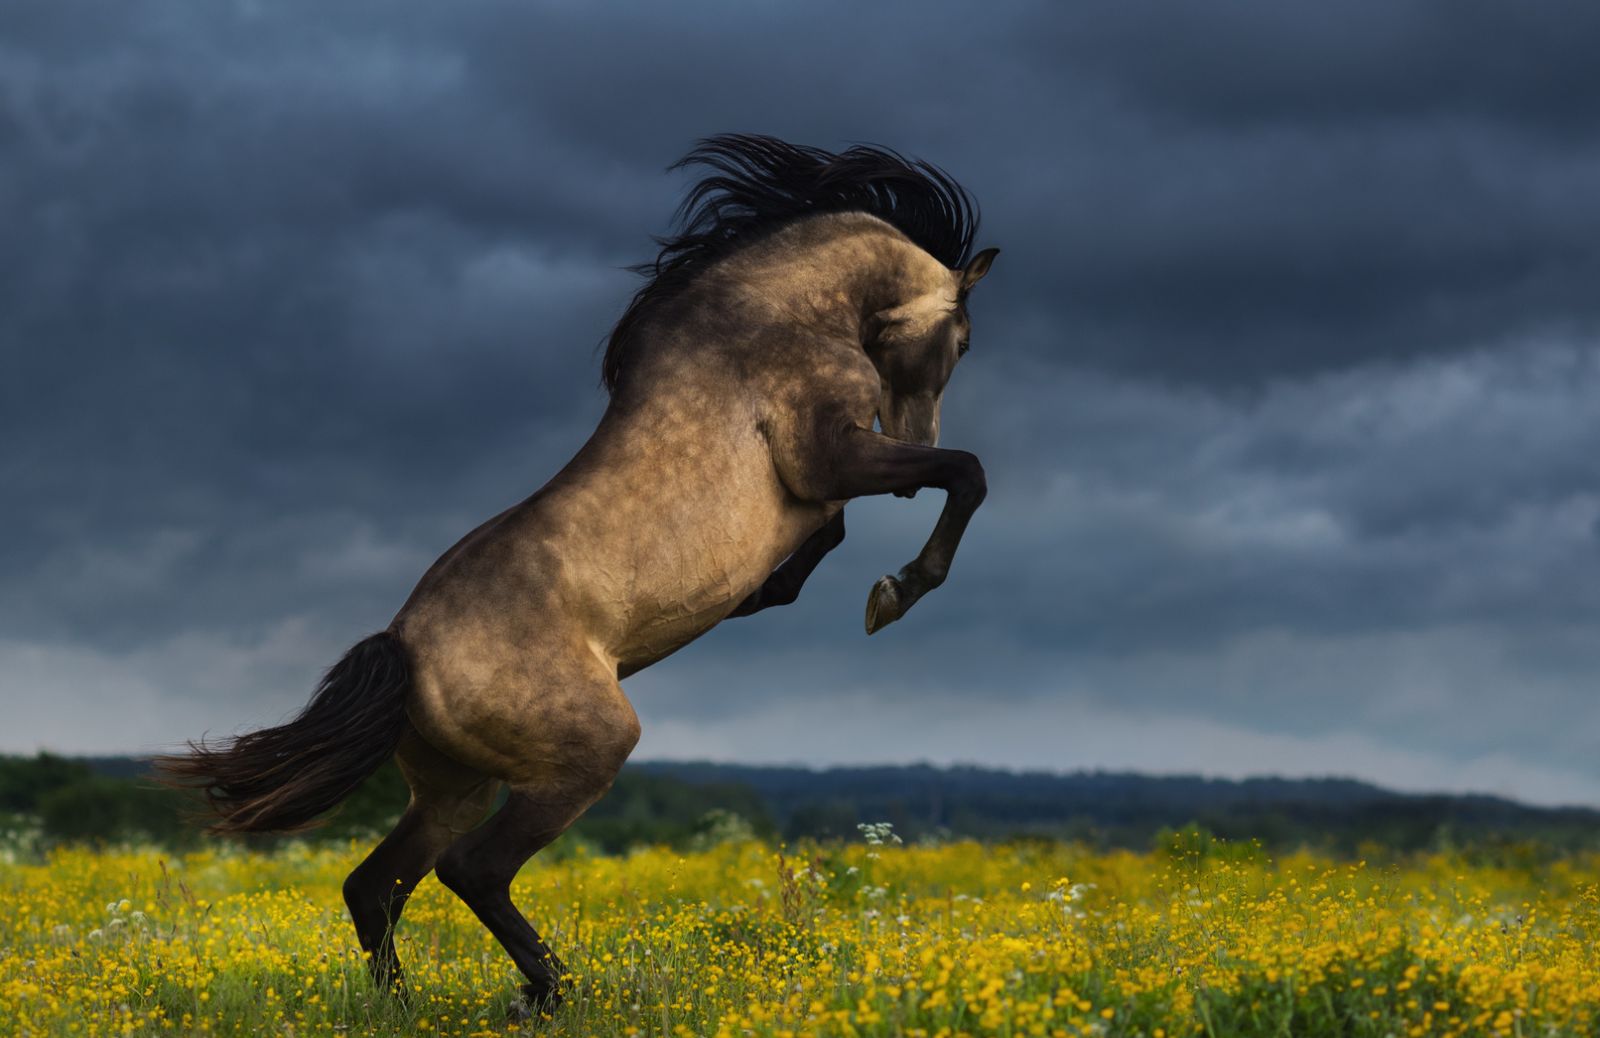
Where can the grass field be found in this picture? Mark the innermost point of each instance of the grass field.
(742, 939)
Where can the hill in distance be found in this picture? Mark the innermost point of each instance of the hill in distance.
(1128, 809)
(668, 801)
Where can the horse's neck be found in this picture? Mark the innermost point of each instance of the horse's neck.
(834, 271)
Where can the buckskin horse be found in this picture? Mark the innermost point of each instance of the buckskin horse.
(806, 296)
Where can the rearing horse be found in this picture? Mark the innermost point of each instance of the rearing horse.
(807, 294)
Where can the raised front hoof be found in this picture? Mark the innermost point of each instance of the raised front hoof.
(536, 999)
(884, 604)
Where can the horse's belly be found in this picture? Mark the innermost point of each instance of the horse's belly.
(692, 580)
(666, 633)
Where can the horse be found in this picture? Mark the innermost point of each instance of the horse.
(788, 352)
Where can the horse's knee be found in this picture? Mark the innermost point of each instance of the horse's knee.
(355, 895)
(364, 898)
(477, 870)
(455, 870)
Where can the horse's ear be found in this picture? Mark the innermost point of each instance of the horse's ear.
(976, 269)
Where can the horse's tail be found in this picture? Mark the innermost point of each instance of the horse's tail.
(280, 779)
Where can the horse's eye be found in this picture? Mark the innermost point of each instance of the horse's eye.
(962, 347)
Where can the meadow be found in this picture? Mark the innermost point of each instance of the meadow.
(861, 938)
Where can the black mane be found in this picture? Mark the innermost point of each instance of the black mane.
(757, 184)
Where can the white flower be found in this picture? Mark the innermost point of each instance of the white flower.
(878, 833)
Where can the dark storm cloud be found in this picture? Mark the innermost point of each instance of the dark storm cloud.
(1306, 66)
(1284, 381)
(1277, 188)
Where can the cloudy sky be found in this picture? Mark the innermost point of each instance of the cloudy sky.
(1287, 382)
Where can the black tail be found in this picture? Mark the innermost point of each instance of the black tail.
(283, 778)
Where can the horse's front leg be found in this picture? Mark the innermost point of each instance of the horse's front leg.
(784, 585)
(892, 596)
(859, 462)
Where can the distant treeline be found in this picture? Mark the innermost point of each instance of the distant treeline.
(1122, 809)
(113, 800)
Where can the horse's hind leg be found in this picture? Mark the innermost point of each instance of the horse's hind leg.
(480, 867)
(577, 758)
(376, 892)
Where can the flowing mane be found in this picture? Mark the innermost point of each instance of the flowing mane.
(758, 184)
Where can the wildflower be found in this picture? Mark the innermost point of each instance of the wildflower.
(877, 834)
(939, 937)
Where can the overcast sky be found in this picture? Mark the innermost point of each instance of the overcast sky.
(1287, 381)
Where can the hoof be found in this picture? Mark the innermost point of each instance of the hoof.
(392, 982)
(535, 999)
(883, 604)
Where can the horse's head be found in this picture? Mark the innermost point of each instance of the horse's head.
(915, 347)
